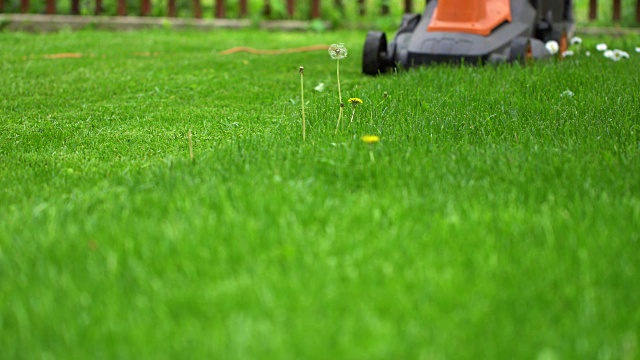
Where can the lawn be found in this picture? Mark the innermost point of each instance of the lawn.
(497, 218)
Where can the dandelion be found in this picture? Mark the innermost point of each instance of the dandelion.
(567, 93)
(370, 140)
(575, 41)
(601, 47)
(385, 96)
(588, 53)
(616, 55)
(567, 53)
(304, 125)
(319, 88)
(552, 47)
(354, 102)
(638, 49)
(337, 52)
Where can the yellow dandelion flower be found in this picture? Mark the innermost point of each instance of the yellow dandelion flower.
(355, 101)
(370, 139)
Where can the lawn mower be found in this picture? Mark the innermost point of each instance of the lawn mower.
(471, 31)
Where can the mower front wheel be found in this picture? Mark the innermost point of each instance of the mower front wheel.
(374, 56)
(520, 50)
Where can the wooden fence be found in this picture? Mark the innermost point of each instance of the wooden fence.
(220, 8)
(616, 11)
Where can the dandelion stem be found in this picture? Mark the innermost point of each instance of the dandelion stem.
(370, 140)
(338, 75)
(304, 134)
(190, 146)
(339, 94)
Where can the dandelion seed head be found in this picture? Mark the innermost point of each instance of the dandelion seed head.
(616, 54)
(638, 49)
(567, 53)
(567, 93)
(576, 40)
(319, 88)
(609, 54)
(338, 51)
(552, 47)
(602, 47)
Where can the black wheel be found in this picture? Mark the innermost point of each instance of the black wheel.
(520, 49)
(374, 56)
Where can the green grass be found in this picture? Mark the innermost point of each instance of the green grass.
(499, 219)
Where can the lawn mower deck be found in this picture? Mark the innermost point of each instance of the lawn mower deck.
(471, 31)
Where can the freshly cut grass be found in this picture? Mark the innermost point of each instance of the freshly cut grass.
(500, 218)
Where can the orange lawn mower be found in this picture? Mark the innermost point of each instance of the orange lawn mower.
(471, 31)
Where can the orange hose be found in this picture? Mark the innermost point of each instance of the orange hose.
(238, 49)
